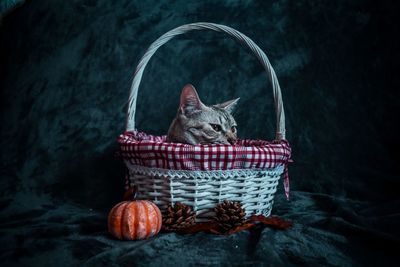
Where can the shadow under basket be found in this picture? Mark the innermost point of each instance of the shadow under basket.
(202, 176)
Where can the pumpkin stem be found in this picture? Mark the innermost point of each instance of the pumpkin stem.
(131, 193)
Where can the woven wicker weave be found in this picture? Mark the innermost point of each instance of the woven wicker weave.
(254, 188)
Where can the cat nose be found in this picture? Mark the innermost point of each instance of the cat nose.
(231, 139)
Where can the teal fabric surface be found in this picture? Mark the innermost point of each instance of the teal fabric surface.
(65, 72)
(6, 6)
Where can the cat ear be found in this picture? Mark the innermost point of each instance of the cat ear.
(190, 101)
(228, 105)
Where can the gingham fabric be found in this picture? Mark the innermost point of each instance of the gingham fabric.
(153, 151)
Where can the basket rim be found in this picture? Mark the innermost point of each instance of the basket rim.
(132, 137)
(276, 171)
(142, 149)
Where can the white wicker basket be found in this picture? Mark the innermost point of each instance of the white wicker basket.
(254, 188)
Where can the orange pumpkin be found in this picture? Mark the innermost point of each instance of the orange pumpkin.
(138, 219)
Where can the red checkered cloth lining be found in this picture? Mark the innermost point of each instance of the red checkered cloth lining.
(154, 152)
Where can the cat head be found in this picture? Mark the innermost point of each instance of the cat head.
(197, 123)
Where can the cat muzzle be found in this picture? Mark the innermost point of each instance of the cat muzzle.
(231, 138)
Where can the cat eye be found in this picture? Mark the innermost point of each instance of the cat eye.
(216, 127)
(233, 129)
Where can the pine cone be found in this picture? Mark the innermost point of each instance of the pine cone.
(178, 217)
(229, 214)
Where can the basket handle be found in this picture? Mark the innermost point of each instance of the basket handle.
(280, 114)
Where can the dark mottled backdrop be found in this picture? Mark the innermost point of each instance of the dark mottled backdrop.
(66, 68)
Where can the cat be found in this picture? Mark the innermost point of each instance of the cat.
(196, 123)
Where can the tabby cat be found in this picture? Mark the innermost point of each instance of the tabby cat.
(196, 123)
